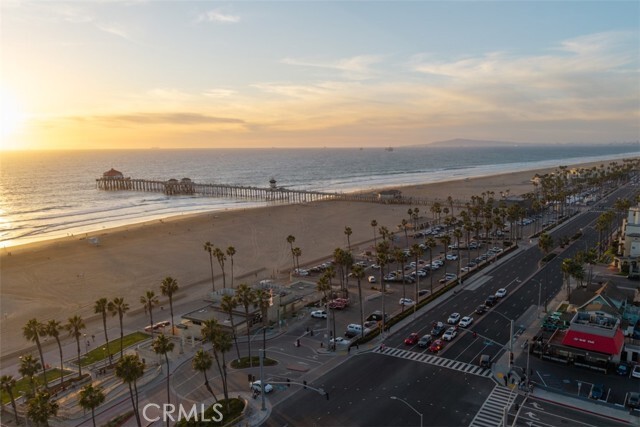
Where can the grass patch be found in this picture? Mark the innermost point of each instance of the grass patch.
(243, 362)
(120, 420)
(101, 353)
(236, 406)
(23, 385)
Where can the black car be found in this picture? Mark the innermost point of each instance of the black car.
(377, 316)
(422, 292)
(438, 329)
(425, 341)
(623, 369)
(481, 309)
(491, 300)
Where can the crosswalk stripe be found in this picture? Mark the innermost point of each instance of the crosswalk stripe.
(492, 410)
(435, 360)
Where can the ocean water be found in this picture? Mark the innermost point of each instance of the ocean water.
(50, 194)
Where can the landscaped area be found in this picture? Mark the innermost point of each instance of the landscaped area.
(23, 385)
(243, 362)
(100, 353)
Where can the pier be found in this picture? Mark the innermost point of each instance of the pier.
(114, 180)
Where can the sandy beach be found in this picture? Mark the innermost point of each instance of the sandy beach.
(57, 279)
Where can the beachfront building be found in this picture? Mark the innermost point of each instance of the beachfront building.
(629, 243)
(113, 174)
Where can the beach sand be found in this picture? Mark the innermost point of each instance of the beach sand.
(61, 278)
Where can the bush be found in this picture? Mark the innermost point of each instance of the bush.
(549, 257)
(243, 362)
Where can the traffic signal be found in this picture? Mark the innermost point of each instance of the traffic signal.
(304, 384)
(326, 395)
(250, 377)
(288, 382)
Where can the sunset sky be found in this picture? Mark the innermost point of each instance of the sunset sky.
(174, 74)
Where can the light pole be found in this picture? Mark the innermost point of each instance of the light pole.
(511, 333)
(412, 408)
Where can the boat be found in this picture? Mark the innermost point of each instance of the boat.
(389, 149)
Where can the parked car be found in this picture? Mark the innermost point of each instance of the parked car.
(500, 293)
(633, 401)
(377, 316)
(319, 314)
(257, 386)
(452, 257)
(450, 334)
(425, 341)
(465, 321)
(436, 346)
(371, 279)
(453, 318)
(635, 372)
(407, 302)
(597, 391)
(623, 369)
(422, 292)
(340, 341)
(412, 339)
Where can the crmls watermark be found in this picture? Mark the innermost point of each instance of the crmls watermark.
(152, 412)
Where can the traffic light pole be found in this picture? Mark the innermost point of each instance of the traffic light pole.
(262, 385)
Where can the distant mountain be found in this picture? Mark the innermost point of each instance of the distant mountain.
(460, 142)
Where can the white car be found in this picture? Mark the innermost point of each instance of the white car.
(635, 372)
(371, 279)
(453, 319)
(465, 321)
(407, 302)
(500, 293)
(256, 386)
(300, 272)
(450, 334)
(319, 314)
(340, 341)
(452, 257)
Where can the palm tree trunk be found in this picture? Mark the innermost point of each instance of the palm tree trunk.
(79, 365)
(208, 386)
(13, 405)
(166, 359)
(235, 336)
(246, 314)
(213, 282)
(361, 306)
(93, 416)
(137, 407)
(171, 313)
(121, 334)
(44, 365)
(106, 337)
(61, 360)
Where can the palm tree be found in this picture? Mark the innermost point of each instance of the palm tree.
(221, 257)
(246, 297)
(231, 251)
(90, 398)
(168, 287)
(101, 307)
(163, 346)
(323, 285)
(130, 369)
(382, 257)
(202, 362)
(290, 240)
(222, 344)
(399, 255)
(41, 407)
(262, 299)
(52, 329)
(208, 247)
(29, 366)
(374, 224)
(297, 253)
(567, 268)
(358, 273)
(32, 332)
(457, 233)
(545, 243)
(348, 232)
(228, 304)
(148, 301)
(119, 307)
(416, 252)
(431, 243)
(446, 241)
(74, 326)
(404, 225)
(7, 383)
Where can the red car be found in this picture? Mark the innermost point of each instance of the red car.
(436, 346)
(412, 339)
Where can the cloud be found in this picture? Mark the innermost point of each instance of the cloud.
(359, 66)
(216, 15)
(162, 118)
(219, 93)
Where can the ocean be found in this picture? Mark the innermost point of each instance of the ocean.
(50, 194)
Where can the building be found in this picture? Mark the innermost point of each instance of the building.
(629, 243)
(113, 174)
(389, 194)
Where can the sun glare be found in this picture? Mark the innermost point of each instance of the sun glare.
(11, 118)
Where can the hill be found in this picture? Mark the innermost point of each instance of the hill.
(460, 142)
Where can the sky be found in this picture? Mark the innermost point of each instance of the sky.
(185, 74)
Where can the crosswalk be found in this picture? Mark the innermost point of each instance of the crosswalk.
(492, 411)
(435, 360)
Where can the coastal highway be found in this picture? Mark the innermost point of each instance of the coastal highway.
(360, 389)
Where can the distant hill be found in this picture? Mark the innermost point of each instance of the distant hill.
(460, 142)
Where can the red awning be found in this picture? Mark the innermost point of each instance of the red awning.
(592, 342)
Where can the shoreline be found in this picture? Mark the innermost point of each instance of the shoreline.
(406, 188)
(62, 277)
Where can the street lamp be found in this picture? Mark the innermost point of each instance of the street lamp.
(412, 408)
(511, 333)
